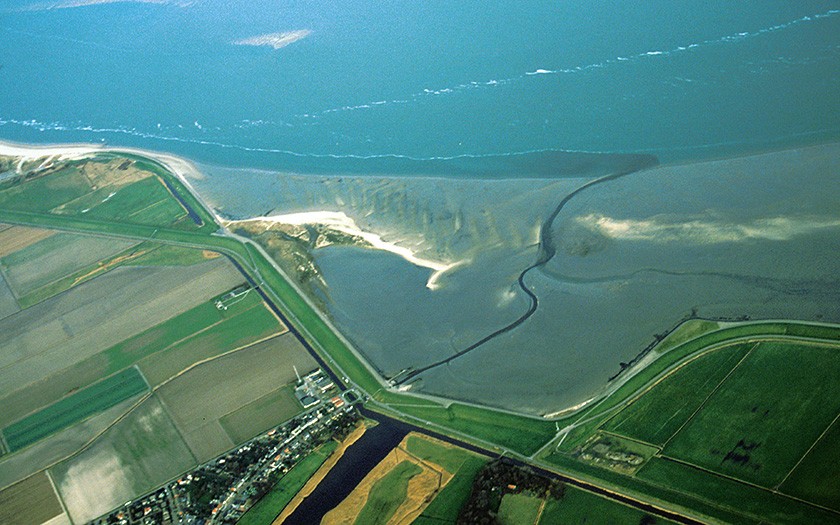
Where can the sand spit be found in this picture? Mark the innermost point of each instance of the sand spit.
(275, 40)
(342, 223)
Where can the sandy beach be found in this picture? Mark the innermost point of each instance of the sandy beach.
(341, 222)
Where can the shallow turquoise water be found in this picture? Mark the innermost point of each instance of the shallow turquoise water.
(420, 79)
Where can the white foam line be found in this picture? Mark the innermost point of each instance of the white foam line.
(340, 222)
(597, 65)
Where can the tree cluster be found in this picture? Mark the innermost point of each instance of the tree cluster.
(500, 477)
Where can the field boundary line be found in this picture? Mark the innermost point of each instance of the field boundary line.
(706, 400)
(57, 495)
(95, 437)
(213, 358)
(9, 286)
(814, 444)
(746, 483)
(634, 440)
(180, 432)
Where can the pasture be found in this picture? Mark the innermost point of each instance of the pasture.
(580, 507)
(738, 429)
(106, 187)
(520, 509)
(766, 415)
(54, 335)
(677, 395)
(74, 408)
(808, 479)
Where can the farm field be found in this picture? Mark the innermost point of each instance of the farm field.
(579, 507)
(261, 414)
(461, 464)
(73, 326)
(388, 494)
(29, 502)
(212, 390)
(14, 238)
(8, 304)
(55, 257)
(78, 406)
(57, 447)
(139, 453)
(520, 509)
(249, 322)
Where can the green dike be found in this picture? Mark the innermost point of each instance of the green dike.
(273, 503)
(77, 407)
(387, 494)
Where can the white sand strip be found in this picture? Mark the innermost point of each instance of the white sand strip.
(340, 222)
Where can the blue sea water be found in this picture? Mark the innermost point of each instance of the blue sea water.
(424, 80)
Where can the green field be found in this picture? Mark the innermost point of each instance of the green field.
(519, 509)
(146, 201)
(808, 480)
(42, 194)
(387, 494)
(273, 503)
(766, 415)
(245, 326)
(678, 396)
(747, 501)
(448, 503)
(261, 415)
(79, 406)
(580, 507)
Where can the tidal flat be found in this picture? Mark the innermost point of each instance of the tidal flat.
(748, 237)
